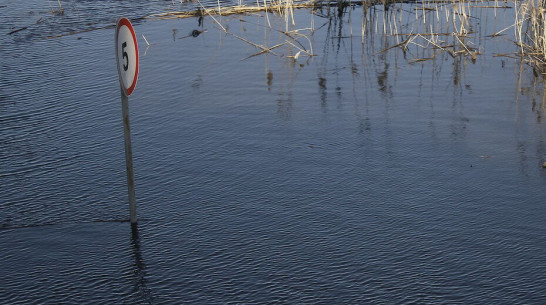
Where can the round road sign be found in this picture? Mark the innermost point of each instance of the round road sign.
(126, 55)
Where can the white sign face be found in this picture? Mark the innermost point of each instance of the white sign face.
(126, 55)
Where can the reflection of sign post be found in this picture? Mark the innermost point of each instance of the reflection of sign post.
(127, 62)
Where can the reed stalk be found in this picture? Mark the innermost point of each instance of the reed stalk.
(530, 31)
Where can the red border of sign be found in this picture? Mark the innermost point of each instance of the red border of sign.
(121, 22)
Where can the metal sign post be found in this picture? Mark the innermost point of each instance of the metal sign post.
(127, 62)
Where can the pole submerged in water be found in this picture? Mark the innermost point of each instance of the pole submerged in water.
(127, 63)
(129, 158)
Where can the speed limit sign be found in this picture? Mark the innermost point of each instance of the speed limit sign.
(126, 55)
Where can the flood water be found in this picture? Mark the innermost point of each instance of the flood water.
(355, 176)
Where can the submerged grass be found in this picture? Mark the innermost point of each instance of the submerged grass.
(434, 26)
(438, 26)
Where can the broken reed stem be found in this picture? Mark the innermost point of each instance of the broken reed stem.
(264, 49)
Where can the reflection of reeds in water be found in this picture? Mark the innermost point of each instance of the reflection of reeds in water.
(283, 8)
(421, 29)
(438, 26)
(437, 31)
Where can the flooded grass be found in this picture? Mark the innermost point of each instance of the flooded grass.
(443, 26)
(439, 26)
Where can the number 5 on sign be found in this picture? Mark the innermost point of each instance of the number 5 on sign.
(126, 56)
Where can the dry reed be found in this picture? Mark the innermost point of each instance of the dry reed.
(530, 30)
(438, 26)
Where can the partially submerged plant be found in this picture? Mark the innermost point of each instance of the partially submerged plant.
(531, 31)
(60, 10)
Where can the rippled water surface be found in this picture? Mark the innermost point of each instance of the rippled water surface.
(356, 176)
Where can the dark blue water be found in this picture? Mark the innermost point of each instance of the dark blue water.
(352, 177)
